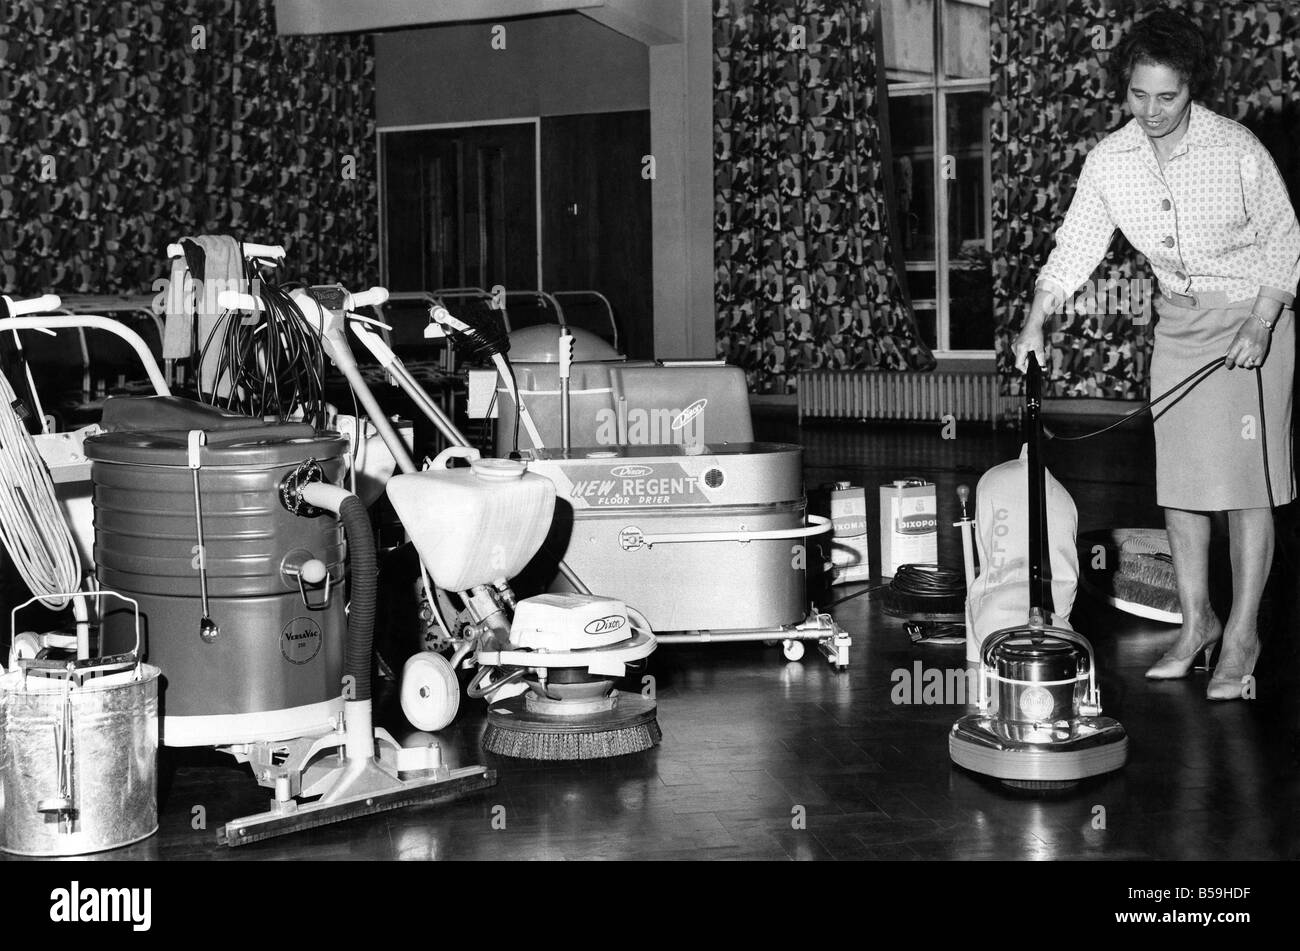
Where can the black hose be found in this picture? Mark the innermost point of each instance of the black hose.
(364, 570)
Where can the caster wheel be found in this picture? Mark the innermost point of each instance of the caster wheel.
(792, 649)
(430, 691)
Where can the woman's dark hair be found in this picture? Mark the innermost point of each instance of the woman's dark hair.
(1165, 38)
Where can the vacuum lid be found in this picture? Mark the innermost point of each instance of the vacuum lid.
(260, 446)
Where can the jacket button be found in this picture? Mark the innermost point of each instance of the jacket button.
(1169, 241)
(1166, 204)
(1180, 275)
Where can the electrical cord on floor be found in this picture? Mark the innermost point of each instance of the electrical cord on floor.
(928, 581)
(916, 581)
(857, 594)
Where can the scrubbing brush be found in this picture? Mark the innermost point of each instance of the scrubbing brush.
(1131, 569)
(514, 730)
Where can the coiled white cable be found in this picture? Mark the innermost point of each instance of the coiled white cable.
(33, 526)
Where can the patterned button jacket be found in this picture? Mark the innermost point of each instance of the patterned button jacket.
(1215, 218)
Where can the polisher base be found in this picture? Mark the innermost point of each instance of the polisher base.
(1097, 745)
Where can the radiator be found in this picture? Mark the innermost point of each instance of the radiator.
(906, 396)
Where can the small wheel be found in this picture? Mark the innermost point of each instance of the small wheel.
(430, 691)
(792, 649)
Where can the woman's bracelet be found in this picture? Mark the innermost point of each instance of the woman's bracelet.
(1267, 323)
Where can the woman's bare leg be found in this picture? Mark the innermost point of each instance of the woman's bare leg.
(1251, 545)
(1189, 543)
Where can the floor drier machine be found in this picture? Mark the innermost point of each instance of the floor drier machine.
(1039, 722)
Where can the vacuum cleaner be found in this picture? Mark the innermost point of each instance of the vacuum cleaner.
(226, 537)
(1038, 725)
(476, 527)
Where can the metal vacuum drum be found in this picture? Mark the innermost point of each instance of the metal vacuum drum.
(78, 761)
(1039, 681)
(665, 529)
(272, 668)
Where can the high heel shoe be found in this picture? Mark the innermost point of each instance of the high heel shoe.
(1232, 684)
(1173, 667)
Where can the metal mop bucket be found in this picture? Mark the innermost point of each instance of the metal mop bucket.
(78, 752)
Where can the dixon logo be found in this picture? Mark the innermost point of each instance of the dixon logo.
(630, 472)
(605, 625)
(688, 414)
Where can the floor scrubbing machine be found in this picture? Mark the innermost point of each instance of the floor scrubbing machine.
(1039, 724)
(477, 527)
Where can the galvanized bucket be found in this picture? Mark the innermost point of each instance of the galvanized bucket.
(78, 754)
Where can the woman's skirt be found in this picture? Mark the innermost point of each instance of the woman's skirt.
(1211, 444)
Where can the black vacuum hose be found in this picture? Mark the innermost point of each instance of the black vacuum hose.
(363, 564)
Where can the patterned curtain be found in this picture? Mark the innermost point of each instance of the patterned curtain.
(1052, 103)
(804, 275)
(127, 124)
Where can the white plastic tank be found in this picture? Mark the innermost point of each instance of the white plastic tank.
(474, 525)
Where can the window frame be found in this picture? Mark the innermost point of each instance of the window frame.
(940, 87)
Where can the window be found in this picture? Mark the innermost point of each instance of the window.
(936, 56)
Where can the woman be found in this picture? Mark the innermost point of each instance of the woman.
(1199, 196)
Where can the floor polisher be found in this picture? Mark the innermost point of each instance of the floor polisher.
(477, 527)
(1039, 724)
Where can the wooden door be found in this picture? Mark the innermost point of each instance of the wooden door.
(596, 217)
(460, 207)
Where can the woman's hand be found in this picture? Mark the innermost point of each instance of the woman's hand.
(1249, 347)
(1029, 340)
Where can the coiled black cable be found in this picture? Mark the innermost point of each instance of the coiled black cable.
(928, 581)
(272, 365)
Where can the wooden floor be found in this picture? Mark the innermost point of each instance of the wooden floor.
(752, 743)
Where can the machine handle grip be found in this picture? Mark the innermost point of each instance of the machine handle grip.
(237, 300)
(370, 298)
(566, 352)
(251, 250)
(33, 305)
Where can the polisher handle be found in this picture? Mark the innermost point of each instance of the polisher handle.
(370, 298)
(33, 305)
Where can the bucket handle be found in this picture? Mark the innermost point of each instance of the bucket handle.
(819, 526)
(80, 669)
